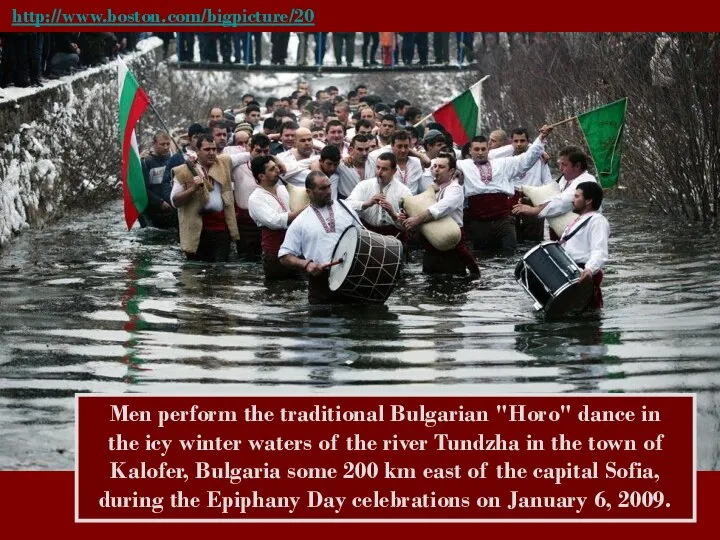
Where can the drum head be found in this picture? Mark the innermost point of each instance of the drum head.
(345, 249)
(572, 297)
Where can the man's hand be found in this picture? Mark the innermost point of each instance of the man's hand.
(586, 274)
(314, 269)
(544, 132)
(372, 201)
(525, 210)
(388, 208)
(411, 222)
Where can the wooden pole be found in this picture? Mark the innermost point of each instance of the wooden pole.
(563, 122)
(423, 119)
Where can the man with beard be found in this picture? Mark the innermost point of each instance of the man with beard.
(586, 239)
(490, 189)
(203, 195)
(311, 238)
(269, 206)
(449, 199)
(377, 200)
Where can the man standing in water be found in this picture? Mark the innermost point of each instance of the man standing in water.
(586, 238)
(311, 238)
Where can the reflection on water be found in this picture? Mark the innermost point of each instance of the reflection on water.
(88, 307)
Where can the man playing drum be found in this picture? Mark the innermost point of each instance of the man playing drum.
(311, 238)
(586, 239)
(449, 202)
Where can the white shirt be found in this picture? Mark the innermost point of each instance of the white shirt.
(243, 180)
(562, 202)
(590, 245)
(306, 237)
(296, 169)
(450, 200)
(348, 177)
(265, 209)
(376, 215)
(505, 173)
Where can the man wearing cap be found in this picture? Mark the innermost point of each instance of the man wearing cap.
(434, 142)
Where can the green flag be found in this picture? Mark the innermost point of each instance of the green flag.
(603, 129)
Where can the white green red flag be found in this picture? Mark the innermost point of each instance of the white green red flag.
(133, 102)
(462, 116)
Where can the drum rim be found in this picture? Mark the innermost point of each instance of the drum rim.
(335, 269)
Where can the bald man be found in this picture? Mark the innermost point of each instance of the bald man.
(497, 139)
(297, 160)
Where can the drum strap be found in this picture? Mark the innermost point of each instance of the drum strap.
(351, 214)
(564, 239)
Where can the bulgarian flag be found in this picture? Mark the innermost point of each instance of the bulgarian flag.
(461, 117)
(133, 102)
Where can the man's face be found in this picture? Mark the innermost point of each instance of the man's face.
(247, 99)
(342, 114)
(496, 140)
(256, 151)
(288, 138)
(321, 193)
(318, 119)
(319, 134)
(216, 114)
(207, 153)
(359, 152)
(520, 143)
(441, 170)
(335, 135)
(303, 88)
(363, 130)
(323, 96)
(242, 138)
(304, 144)
(568, 170)
(386, 128)
(253, 118)
(368, 114)
(361, 92)
(401, 149)
(220, 136)
(272, 173)
(580, 202)
(372, 144)
(162, 146)
(479, 151)
(435, 148)
(384, 171)
(329, 166)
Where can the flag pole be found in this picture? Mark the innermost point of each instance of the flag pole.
(164, 125)
(423, 119)
(561, 122)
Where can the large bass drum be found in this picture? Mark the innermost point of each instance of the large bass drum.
(370, 265)
(552, 279)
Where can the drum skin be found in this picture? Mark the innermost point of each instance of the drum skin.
(443, 234)
(539, 194)
(552, 279)
(370, 267)
(299, 198)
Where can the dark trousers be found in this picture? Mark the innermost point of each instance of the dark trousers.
(465, 46)
(529, 229)
(275, 270)
(214, 247)
(441, 46)
(278, 52)
(498, 234)
(242, 45)
(344, 40)
(371, 39)
(186, 46)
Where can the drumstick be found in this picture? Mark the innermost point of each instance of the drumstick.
(334, 263)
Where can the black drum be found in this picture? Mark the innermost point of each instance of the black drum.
(552, 279)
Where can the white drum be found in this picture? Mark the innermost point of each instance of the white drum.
(370, 265)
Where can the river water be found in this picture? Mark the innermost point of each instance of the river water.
(86, 306)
